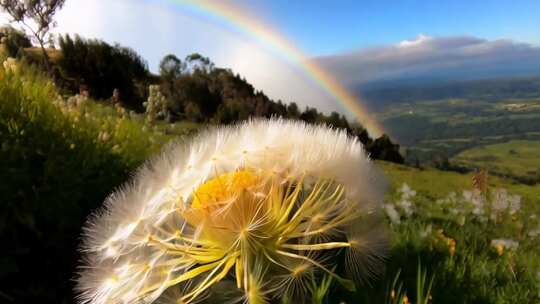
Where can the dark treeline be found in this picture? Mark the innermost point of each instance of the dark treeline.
(194, 89)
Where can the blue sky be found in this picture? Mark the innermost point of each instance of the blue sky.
(325, 27)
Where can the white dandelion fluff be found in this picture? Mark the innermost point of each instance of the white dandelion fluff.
(251, 203)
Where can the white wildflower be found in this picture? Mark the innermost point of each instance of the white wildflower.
(404, 203)
(499, 201)
(534, 233)
(11, 65)
(515, 203)
(392, 213)
(505, 243)
(157, 105)
(476, 200)
(406, 191)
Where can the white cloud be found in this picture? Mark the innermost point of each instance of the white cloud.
(465, 57)
(415, 42)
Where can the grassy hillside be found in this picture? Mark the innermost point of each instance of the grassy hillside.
(436, 183)
(516, 158)
(61, 155)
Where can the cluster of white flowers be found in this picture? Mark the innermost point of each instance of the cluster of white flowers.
(156, 105)
(10, 65)
(492, 207)
(403, 206)
(504, 243)
(504, 202)
(405, 203)
(392, 213)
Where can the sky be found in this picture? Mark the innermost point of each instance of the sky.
(327, 27)
(355, 41)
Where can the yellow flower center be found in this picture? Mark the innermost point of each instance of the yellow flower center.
(223, 188)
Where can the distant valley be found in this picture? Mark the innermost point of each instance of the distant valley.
(465, 125)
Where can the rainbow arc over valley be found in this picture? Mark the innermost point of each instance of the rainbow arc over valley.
(237, 19)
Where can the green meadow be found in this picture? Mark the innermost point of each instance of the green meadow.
(515, 158)
(61, 156)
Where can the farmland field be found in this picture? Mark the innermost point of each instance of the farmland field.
(517, 158)
(502, 136)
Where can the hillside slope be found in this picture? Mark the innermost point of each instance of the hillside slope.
(61, 156)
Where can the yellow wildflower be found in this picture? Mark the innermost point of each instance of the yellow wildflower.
(405, 299)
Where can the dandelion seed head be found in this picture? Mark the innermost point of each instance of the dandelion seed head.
(262, 199)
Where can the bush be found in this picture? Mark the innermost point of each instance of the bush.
(56, 166)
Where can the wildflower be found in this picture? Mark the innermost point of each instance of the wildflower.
(404, 203)
(500, 245)
(476, 199)
(515, 203)
(405, 299)
(392, 213)
(10, 65)
(451, 246)
(500, 200)
(534, 233)
(444, 243)
(103, 136)
(406, 191)
(265, 206)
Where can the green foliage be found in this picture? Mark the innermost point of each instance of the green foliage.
(13, 40)
(103, 68)
(423, 288)
(59, 159)
(396, 294)
(383, 148)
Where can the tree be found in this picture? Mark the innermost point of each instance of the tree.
(103, 68)
(383, 148)
(196, 63)
(37, 17)
(13, 40)
(170, 67)
(292, 110)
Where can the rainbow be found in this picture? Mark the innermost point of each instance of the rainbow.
(238, 20)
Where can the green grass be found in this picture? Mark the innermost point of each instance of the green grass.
(474, 272)
(518, 158)
(433, 183)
